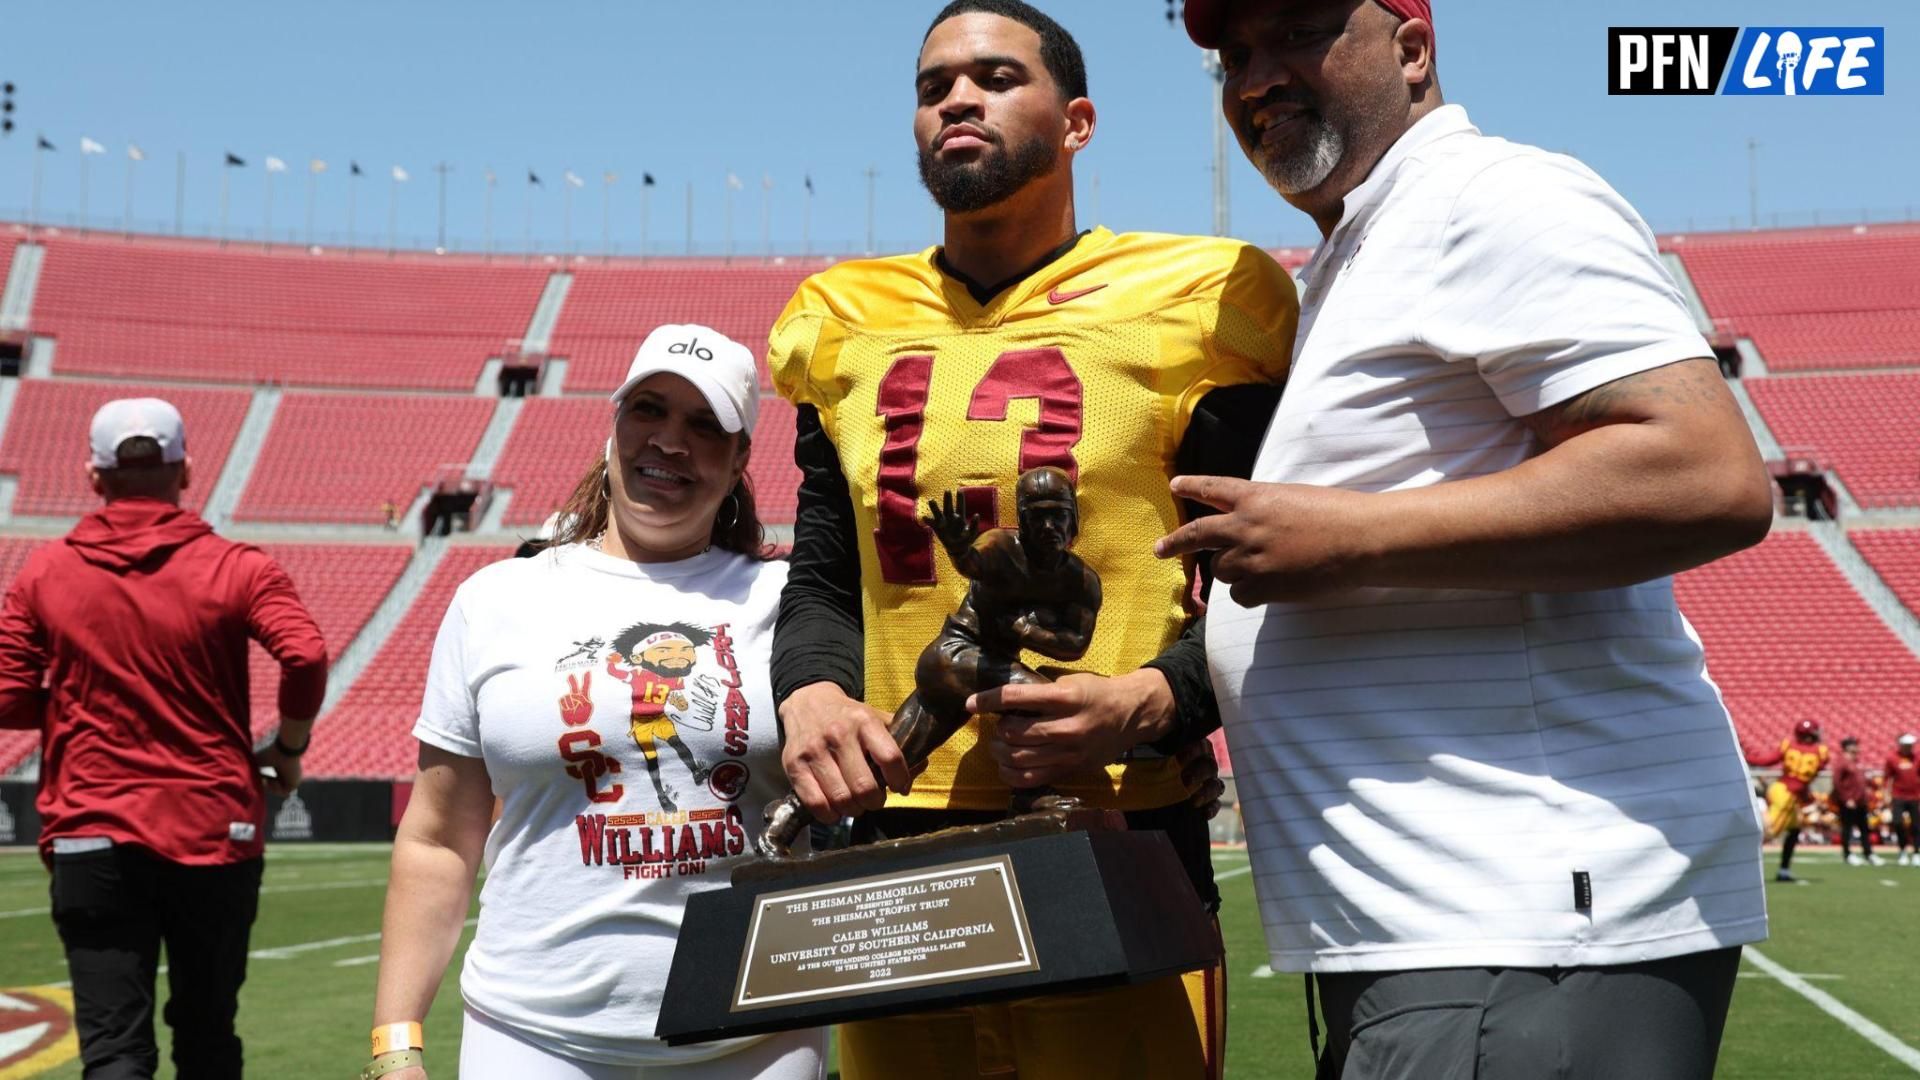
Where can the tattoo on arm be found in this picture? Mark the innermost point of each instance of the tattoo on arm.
(1656, 394)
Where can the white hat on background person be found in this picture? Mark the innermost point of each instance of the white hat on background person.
(719, 367)
(131, 418)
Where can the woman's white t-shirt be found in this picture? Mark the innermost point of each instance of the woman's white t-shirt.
(562, 672)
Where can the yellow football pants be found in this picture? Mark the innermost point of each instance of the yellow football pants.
(1783, 808)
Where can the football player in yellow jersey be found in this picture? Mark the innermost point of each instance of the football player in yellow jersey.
(1801, 758)
(1021, 342)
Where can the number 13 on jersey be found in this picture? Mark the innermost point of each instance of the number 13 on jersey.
(903, 544)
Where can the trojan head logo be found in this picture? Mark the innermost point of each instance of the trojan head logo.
(691, 347)
(727, 780)
(36, 1030)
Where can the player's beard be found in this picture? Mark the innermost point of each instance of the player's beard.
(963, 187)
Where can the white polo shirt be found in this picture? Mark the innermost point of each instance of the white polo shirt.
(1426, 773)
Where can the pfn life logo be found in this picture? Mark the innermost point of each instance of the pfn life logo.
(1785, 61)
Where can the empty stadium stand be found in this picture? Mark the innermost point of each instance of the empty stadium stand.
(1813, 299)
(552, 445)
(610, 309)
(370, 732)
(339, 457)
(188, 309)
(1894, 554)
(1865, 427)
(46, 439)
(341, 584)
(1787, 639)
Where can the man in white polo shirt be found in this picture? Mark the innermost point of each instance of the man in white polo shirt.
(1495, 807)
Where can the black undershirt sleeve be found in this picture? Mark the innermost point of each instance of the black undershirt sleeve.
(1223, 439)
(819, 635)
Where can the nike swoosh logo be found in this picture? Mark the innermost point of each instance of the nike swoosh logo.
(1058, 297)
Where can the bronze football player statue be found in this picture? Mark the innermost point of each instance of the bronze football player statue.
(1028, 592)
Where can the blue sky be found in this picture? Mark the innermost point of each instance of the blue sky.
(789, 88)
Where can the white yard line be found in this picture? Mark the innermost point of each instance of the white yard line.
(1234, 873)
(1826, 1003)
(356, 961)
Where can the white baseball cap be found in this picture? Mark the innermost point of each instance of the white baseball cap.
(1906, 740)
(129, 418)
(719, 367)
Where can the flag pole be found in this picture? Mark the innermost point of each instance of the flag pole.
(443, 169)
(126, 218)
(646, 211)
(353, 191)
(225, 170)
(83, 188)
(487, 227)
(871, 173)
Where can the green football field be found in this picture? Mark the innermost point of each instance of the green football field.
(1832, 995)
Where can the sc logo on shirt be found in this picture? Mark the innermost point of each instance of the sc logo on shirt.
(1780, 61)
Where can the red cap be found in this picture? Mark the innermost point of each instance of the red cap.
(1205, 16)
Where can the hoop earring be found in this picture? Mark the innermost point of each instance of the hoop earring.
(733, 518)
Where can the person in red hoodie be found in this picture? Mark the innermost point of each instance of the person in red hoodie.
(126, 647)
(1850, 798)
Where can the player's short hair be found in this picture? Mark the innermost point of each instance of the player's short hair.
(1058, 50)
(141, 470)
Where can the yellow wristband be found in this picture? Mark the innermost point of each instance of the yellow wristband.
(393, 1062)
(390, 1037)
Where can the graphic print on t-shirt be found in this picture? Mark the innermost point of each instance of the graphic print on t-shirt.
(683, 695)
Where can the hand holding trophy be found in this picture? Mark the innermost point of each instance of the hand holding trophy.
(1028, 592)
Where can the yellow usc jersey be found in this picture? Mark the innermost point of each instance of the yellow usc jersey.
(1801, 763)
(1093, 364)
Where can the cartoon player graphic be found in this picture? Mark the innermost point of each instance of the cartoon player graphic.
(656, 660)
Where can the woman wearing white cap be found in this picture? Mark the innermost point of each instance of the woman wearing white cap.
(612, 691)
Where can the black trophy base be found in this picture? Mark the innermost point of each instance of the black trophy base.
(1101, 907)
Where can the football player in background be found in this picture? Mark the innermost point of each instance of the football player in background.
(1800, 757)
(1022, 341)
(1903, 788)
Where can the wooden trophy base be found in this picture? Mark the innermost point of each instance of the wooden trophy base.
(1043, 903)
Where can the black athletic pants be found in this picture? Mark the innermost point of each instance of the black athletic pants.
(114, 908)
(1656, 1020)
(1851, 821)
(1906, 812)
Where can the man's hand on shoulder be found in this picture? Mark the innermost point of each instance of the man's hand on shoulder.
(1051, 731)
(830, 748)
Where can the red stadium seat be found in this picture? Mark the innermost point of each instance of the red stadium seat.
(340, 457)
(1788, 638)
(1867, 427)
(1813, 299)
(185, 309)
(46, 439)
(370, 732)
